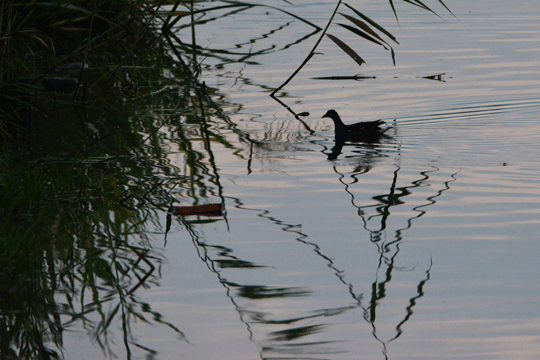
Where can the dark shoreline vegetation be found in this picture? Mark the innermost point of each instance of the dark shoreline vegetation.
(92, 96)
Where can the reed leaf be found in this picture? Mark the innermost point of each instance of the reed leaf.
(373, 23)
(347, 49)
(362, 25)
(393, 9)
(41, 40)
(362, 34)
(421, 5)
(446, 7)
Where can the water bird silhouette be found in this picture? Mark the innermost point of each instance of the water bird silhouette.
(369, 132)
(366, 131)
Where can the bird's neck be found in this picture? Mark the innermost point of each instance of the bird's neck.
(339, 125)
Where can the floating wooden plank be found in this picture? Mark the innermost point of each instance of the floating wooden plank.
(204, 210)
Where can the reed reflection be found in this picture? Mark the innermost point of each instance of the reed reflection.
(266, 308)
(286, 332)
(375, 218)
(278, 326)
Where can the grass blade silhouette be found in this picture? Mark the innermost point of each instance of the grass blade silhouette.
(347, 49)
(372, 23)
(362, 34)
(362, 25)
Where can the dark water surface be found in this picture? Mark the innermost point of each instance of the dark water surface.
(422, 246)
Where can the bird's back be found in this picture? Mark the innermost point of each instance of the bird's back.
(366, 126)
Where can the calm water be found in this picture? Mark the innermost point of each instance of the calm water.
(422, 246)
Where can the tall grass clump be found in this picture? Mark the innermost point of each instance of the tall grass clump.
(72, 188)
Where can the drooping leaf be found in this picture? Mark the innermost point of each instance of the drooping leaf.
(347, 49)
(362, 25)
(373, 23)
(40, 39)
(393, 9)
(446, 7)
(421, 5)
(362, 34)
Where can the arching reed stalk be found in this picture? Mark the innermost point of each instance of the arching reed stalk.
(364, 28)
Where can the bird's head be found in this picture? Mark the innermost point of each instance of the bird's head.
(332, 114)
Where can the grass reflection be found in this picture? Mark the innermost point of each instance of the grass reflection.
(82, 177)
(296, 333)
(71, 255)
